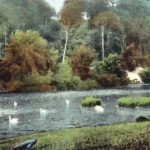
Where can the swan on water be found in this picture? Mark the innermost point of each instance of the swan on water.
(99, 109)
(67, 102)
(13, 120)
(43, 111)
(15, 104)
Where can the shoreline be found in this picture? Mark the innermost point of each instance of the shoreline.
(55, 90)
(123, 136)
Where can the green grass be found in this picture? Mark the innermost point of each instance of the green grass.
(90, 102)
(126, 136)
(134, 102)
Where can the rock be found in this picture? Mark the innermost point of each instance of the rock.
(25, 145)
(142, 119)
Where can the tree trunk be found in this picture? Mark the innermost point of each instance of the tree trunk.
(141, 48)
(46, 22)
(102, 36)
(123, 45)
(107, 44)
(66, 43)
(5, 40)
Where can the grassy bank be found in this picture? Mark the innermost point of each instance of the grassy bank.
(128, 136)
(134, 102)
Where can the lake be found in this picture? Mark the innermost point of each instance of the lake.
(49, 111)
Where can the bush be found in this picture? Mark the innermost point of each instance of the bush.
(87, 84)
(134, 102)
(36, 79)
(132, 59)
(145, 75)
(111, 69)
(108, 80)
(27, 52)
(113, 65)
(90, 102)
(81, 60)
(65, 79)
(14, 86)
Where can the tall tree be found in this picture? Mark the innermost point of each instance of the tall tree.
(4, 26)
(105, 20)
(27, 14)
(138, 32)
(71, 14)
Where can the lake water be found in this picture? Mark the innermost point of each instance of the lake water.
(57, 114)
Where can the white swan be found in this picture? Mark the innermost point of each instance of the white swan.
(116, 106)
(43, 111)
(67, 102)
(13, 120)
(99, 109)
(15, 104)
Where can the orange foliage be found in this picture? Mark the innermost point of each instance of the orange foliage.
(81, 61)
(132, 57)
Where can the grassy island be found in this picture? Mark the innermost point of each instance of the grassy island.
(90, 101)
(134, 102)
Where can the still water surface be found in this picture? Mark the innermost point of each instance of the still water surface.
(50, 111)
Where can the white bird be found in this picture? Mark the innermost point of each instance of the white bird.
(67, 102)
(99, 109)
(13, 120)
(116, 106)
(15, 104)
(43, 111)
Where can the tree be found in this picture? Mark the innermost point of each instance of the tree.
(4, 26)
(71, 14)
(65, 78)
(127, 9)
(113, 65)
(105, 20)
(27, 53)
(140, 28)
(27, 14)
(93, 7)
(81, 60)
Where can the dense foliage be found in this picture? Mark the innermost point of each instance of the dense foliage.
(111, 72)
(27, 59)
(81, 60)
(65, 79)
(145, 75)
(100, 38)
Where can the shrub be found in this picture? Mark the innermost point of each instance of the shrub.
(111, 69)
(145, 75)
(27, 51)
(132, 59)
(65, 79)
(13, 86)
(87, 84)
(108, 80)
(113, 65)
(90, 102)
(36, 79)
(81, 60)
(134, 102)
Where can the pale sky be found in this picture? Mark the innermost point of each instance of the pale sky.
(57, 4)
